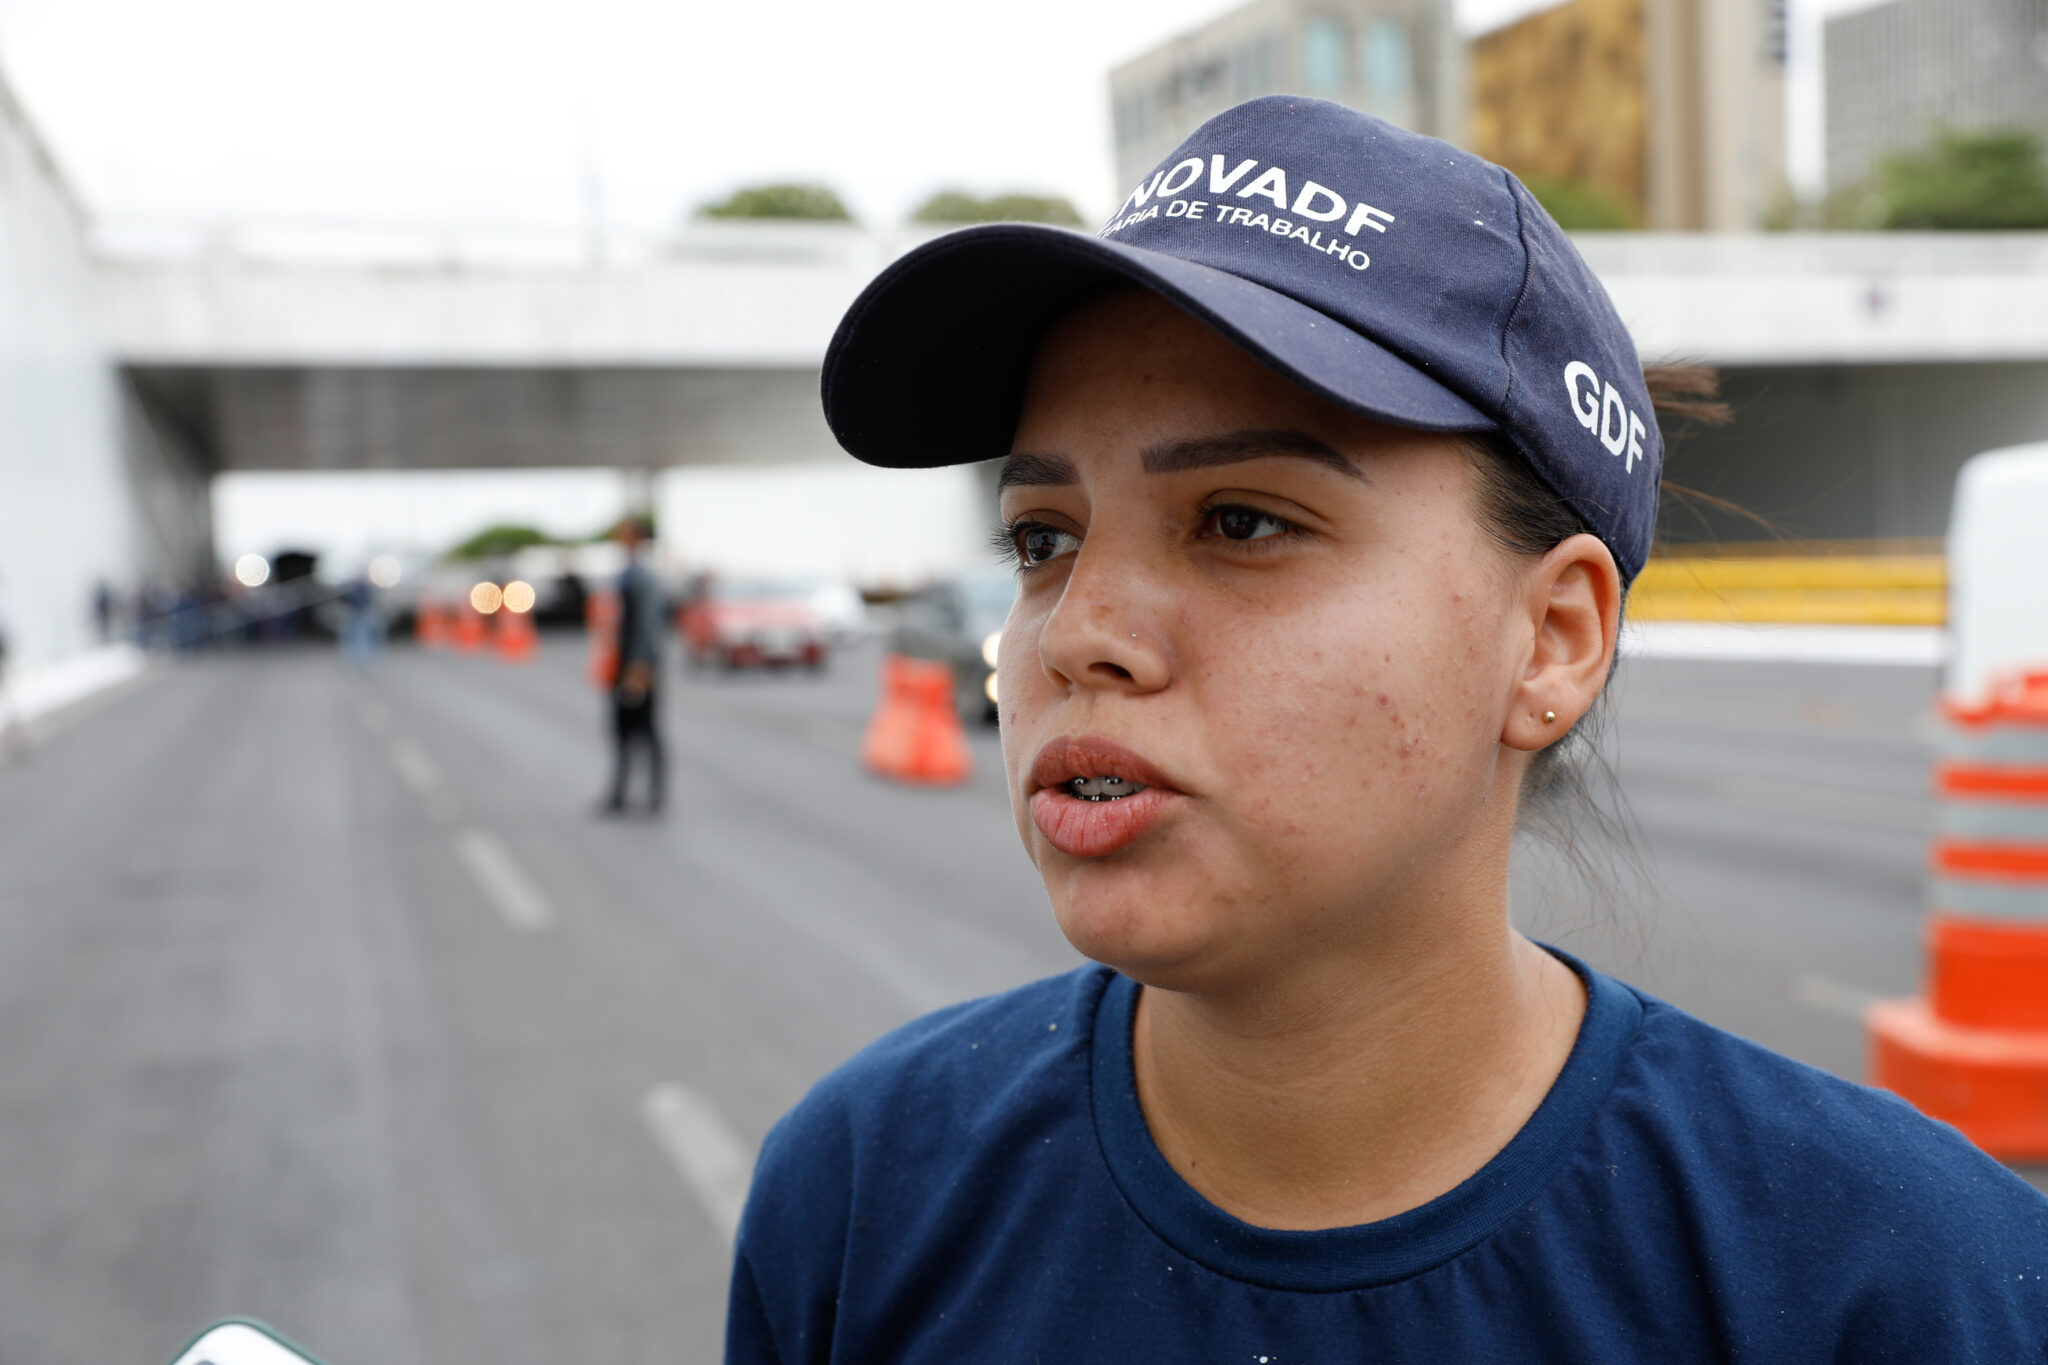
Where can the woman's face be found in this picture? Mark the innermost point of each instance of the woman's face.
(1284, 621)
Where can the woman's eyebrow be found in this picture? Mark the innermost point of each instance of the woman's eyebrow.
(1201, 452)
(1037, 471)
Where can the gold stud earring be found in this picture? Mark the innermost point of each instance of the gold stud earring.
(1549, 717)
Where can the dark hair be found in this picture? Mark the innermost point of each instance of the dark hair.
(1568, 791)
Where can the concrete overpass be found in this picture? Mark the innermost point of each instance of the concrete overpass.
(707, 356)
(1864, 366)
(767, 296)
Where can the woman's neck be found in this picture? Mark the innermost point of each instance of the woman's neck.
(1357, 1087)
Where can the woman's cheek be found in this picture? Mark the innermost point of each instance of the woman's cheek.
(1370, 721)
(1302, 735)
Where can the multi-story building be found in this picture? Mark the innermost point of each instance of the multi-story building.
(1674, 110)
(1400, 59)
(1900, 72)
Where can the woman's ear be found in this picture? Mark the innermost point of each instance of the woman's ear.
(1573, 605)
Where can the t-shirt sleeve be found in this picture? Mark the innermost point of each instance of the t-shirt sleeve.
(1959, 1276)
(748, 1338)
(791, 1249)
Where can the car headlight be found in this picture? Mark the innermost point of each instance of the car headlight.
(988, 647)
(989, 686)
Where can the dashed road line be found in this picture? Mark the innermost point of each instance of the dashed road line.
(415, 767)
(709, 1156)
(509, 888)
(423, 776)
(1832, 997)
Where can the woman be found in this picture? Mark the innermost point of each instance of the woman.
(1328, 465)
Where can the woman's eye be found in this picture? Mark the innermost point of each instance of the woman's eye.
(1037, 543)
(1246, 523)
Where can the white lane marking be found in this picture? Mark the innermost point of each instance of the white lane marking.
(706, 1152)
(415, 767)
(421, 774)
(1832, 997)
(1908, 814)
(511, 890)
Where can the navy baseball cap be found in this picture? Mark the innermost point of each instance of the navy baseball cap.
(1385, 272)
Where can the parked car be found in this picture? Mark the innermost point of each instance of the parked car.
(959, 621)
(742, 623)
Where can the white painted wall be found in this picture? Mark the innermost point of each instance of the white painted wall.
(66, 513)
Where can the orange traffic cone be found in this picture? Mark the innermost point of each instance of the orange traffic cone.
(469, 629)
(916, 735)
(601, 622)
(1974, 1050)
(517, 641)
(430, 627)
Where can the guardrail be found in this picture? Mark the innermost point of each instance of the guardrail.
(1804, 583)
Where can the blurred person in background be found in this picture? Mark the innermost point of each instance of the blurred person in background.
(13, 733)
(1329, 462)
(103, 609)
(362, 623)
(635, 709)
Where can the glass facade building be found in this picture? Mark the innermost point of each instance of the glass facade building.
(1900, 72)
(1401, 60)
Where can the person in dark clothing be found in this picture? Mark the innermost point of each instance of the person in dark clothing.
(103, 609)
(635, 710)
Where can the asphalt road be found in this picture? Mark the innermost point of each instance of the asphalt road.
(329, 1000)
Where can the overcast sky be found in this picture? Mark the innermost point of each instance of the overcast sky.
(521, 113)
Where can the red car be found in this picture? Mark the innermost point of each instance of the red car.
(740, 623)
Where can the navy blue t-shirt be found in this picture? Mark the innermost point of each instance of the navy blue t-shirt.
(981, 1186)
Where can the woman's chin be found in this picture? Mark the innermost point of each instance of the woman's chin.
(1158, 939)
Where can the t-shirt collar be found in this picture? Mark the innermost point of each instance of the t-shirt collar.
(1370, 1253)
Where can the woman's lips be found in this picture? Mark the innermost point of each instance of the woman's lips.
(1095, 829)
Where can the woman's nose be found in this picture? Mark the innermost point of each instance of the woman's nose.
(1101, 633)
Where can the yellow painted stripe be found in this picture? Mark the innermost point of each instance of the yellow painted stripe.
(1792, 607)
(1787, 587)
(1838, 573)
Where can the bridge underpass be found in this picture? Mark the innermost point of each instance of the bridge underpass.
(382, 417)
(1848, 452)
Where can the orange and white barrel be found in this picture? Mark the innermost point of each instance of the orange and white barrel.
(1973, 1049)
(1990, 862)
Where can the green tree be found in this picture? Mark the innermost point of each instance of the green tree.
(499, 540)
(814, 202)
(1992, 180)
(955, 206)
(1579, 207)
(643, 518)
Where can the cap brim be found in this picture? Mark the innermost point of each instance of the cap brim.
(928, 367)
